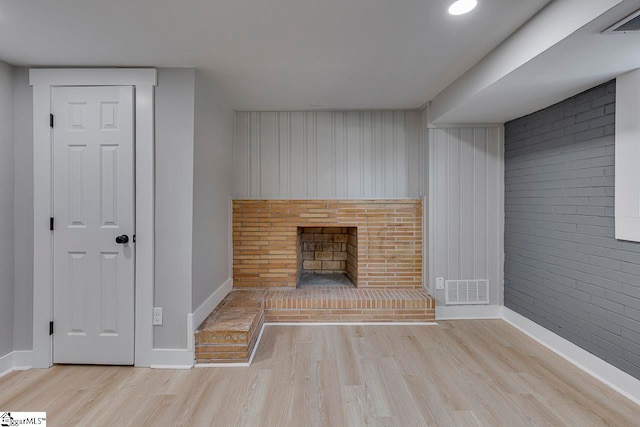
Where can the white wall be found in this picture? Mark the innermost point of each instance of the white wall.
(174, 109)
(23, 220)
(6, 209)
(467, 206)
(212, 187)
(358, 154)
(627, 157)
(180, 171)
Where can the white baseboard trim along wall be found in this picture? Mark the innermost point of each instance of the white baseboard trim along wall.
(16, 361)
(171, 358)
(22, 359)
(459, 312)
(615, 378)
(6, 364)
(211, 303)
(185, 358)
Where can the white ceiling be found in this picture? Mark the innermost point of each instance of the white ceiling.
(579, 62)
(271, 54)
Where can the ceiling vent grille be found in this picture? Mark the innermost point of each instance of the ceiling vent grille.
(466, 292)
(630, 24)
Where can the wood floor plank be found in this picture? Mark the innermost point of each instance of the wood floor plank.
(429, 404)
(459, 373)
(354, 402)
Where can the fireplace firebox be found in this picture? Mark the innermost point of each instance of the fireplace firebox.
(327, 256)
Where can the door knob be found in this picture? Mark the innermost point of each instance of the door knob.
(122, 239)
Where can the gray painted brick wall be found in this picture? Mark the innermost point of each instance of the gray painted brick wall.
(563, 267)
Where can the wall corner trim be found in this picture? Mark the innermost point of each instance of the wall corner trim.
(93, 76)
(601, 370)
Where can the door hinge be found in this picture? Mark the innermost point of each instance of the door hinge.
(51, 120)
(51, 328)
(51, 224)
(134, 238)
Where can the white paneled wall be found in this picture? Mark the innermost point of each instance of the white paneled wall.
(467, 206)
(387, 154)
(307, 155)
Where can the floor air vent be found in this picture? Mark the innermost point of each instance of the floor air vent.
(630, 24)
(466, 292)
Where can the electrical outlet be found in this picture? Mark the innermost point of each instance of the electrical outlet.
(439, 283)
(157, 316)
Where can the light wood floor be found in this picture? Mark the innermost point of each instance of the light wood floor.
(455, 374)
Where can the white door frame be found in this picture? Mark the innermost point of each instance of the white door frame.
(144, 80)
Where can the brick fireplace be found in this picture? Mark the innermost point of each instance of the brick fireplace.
(377, 243)
(382, 241)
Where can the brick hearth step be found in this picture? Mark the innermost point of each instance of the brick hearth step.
(230, 332)
(326, 304)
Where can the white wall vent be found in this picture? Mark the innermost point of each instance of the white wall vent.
(466, 292)
(630, 24)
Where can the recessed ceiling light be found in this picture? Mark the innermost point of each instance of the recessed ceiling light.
(461, 7)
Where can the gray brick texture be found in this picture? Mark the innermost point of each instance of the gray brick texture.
(563, 267)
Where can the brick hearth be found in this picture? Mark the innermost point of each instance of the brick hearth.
(230, 332)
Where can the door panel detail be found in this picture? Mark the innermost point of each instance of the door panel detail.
(109, 288)
(77, 112)
(77, 284)
(77, 190)
(109, 185)
(109, 115)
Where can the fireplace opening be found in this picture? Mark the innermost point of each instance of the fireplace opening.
(327, 256)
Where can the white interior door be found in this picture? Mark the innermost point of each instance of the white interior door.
(93, 197)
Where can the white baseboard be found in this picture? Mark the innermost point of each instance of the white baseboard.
(16, 361)
(351, 324)
(22, 360)
(459, 312)
(605, 372)
(255, 347)
(6, 364)
(222, 365)
(171, 359)
(211, 303)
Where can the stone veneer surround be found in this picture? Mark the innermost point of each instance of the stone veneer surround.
(389, 236)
